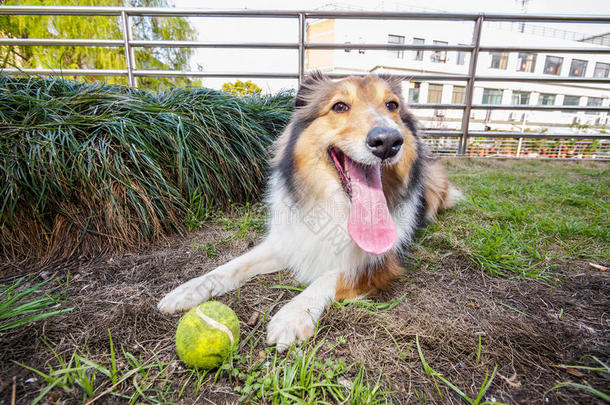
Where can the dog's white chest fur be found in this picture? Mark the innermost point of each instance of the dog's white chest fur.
(312, 239)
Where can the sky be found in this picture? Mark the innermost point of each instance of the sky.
(282, 30)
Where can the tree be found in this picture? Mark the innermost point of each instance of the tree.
(97, 27)
(240, 88)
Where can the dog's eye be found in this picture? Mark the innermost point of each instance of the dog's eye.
(340, 107)
(391, 106)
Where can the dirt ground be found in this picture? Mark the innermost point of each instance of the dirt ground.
(447, 304)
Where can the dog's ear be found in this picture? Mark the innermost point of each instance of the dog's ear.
(307, 87)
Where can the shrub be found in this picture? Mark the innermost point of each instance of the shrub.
(89, 168)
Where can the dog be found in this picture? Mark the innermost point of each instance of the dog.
(350, 183)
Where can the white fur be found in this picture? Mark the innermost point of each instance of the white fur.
(311, 240)
(296, 321)
(260, 260)
(454, 196)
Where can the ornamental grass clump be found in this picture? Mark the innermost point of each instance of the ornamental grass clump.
(91, 168)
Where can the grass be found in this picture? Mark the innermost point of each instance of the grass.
(299, 376)
(19, 306)
(89, 168)
(524, 226)
(95, 380)
(430, 372)
(603, 368)
(516, 222)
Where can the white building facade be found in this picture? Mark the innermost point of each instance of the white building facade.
(526, 64)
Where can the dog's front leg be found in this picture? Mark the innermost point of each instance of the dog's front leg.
(296, 321)
(260, 260)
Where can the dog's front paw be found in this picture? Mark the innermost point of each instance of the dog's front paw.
(293, 323)
(192, 293)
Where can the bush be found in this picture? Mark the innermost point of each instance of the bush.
(90, 168)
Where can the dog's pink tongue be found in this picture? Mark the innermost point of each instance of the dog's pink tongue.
(370, 224)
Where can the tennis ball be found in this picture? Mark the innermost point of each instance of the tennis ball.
(206, 334)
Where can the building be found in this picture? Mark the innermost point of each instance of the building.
(407, 62)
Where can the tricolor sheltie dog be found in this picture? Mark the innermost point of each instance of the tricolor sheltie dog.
(350, 184)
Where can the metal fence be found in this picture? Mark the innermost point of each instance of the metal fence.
(458, 138)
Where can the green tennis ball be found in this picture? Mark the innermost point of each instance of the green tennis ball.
(206, 334)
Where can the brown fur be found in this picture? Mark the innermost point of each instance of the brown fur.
(313, 169)
(436, 190)
(370, 282)
(317, 97)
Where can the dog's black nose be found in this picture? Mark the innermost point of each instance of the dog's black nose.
(384, 142)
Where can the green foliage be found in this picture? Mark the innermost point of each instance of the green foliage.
(80, 373)
(18, 308)
(98, 27)
(604, 369)
(303, 377)
(240, 88)
(519, 218)
(95, 167)
(430, 372)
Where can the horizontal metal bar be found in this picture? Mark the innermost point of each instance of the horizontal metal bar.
(522, 157)
(290, 45)
(518, 107)
(545, 49)
(147, 73)
(181, 73)
(441, 133)
(563, 79)
(527, 107)
(67, 72)
(535, 135)
(387, 46)
(560, 18)
(143, 11)
(411, 77)
(512, 135)
(202, 44)
(437, 106)
(61, 42)
(194, 12)
(282, 75)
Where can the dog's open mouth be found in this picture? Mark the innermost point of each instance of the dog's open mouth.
(370, 224)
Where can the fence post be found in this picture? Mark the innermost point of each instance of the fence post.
(301, 46)
(129, 56)
(472, 70)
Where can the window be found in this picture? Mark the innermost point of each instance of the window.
(419, 54)
(521, 97)
(571, 100)
(397, 39)
(499, 60)
(461, 57)
(527, 62)
(414, 92)
(546, 99)
(578, 67)
(435, 93)
(552, 66)
(601, 69)
(439, 56)
(458, 95)
(593, 102)
(492, 96)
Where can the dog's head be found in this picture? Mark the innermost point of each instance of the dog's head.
(362, 118)
(345, 134)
